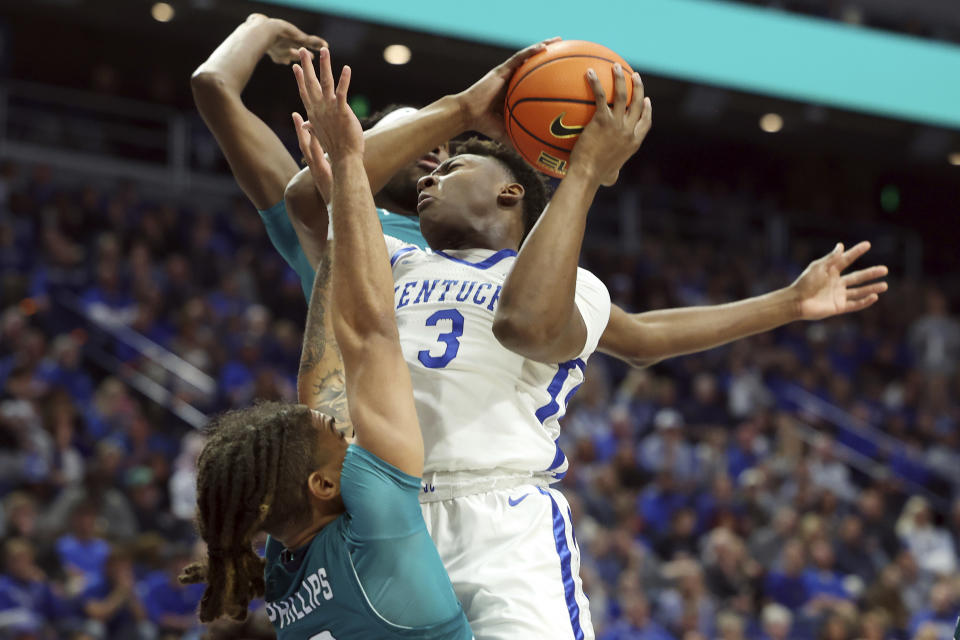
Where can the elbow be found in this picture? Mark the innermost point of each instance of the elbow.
(205, 83)
(365, 332)
(300, 197)
(516, 332)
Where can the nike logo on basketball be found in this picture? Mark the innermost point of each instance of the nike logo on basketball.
(514, 503)
(560, 130)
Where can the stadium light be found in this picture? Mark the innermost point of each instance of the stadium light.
(162, 12)
(771, 122)
(954, 158)
(397, 54)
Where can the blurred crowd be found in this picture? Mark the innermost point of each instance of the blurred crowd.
(712, 498)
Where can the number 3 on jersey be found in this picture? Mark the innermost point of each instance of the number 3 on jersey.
(450, 338)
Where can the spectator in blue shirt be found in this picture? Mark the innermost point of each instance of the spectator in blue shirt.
(941, 613)
(658, 502)
(82, 552)
(114, 603)
(25, 593)
(171, 606)
(824, 584)
(636, 623)
(787, 585)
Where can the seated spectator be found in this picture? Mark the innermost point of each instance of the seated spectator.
(875, 625)
(777, 622)
(940, 615)
(730, 571)
(114, 604)
(824, 583)
(171, 606)
(687, 604)
(730, 626)
(681, 539)
(636, 623)
(26, 598)
(108, 302)
(787, 584)
(112, 509)
(827, 472)
(659, 501)
(766, 543)
(930, 545)
(852, 557)
(83, 552)
(667, 449)
(835, 626)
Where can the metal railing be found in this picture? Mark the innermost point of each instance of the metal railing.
(167, 370)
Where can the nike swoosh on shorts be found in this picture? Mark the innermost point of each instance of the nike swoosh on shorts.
(514, 503)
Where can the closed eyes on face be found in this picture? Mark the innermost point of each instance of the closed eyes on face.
(447, 166)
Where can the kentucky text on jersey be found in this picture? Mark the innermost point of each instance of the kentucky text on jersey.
(315, 586)
(482, 294)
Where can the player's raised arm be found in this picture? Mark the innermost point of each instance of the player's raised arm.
(822, 290)
(388, 149)
(257, 157)
(379, 390)
(537, 316)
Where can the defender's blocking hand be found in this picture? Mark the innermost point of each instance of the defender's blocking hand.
(331, 118)
(287, 38)
(823, 291)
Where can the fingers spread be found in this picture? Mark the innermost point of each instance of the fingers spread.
(865, 275)
(344, 85)
(855, 252)
(870, 289)
(303, 136)
(301, 85)
(311, 90)
(326, 73)
(862, 303)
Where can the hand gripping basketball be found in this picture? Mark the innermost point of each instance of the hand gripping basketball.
(615, 132)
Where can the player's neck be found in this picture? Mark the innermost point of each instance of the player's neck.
(474, 239)
(293, 540)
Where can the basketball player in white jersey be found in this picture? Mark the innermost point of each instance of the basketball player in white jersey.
(489, 391)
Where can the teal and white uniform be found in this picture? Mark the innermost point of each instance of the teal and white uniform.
(372, 573)
(284, 238)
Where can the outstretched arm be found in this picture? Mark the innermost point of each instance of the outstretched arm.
(536, 317)
(321, 383)
(821, 291)
(379, 391)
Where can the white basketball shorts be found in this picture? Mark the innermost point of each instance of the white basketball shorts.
(513, 558)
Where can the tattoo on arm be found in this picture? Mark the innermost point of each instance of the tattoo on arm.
(321, 383)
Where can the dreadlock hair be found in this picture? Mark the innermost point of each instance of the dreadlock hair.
(535, 186)
(251, 477)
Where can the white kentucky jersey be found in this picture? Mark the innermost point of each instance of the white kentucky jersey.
(482, 406)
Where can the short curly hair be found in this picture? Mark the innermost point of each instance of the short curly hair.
(535, 186)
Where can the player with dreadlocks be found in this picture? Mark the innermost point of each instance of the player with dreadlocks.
(348, 554)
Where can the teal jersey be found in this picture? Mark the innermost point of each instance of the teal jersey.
(285, 241)
(372, 573)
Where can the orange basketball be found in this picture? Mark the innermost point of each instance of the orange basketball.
(549, 100)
